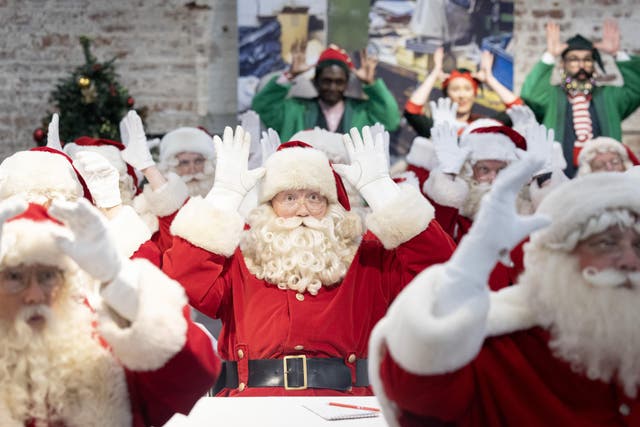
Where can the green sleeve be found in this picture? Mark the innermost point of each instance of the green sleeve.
(629, 94)
(270, 102)
(537, 90)
(381, 106)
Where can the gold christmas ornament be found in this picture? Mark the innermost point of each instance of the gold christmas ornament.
(84, 82)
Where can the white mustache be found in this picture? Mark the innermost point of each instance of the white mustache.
(610, 278)
(297, 221)
(197, 176)
(28, 312)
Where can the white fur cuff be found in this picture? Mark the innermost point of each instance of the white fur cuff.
(444, 191)
(403, 218)
(159, 330)
(424, 344)
(169, 198)
(210, 228)
(130, 231)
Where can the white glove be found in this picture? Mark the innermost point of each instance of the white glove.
(540, 145)
(124, 135)
(102, 178)
(233, 179)
(53, 133)
(137, 152)
(444, 111)
(445, 142)
(369, 168)
(379, 128)
(521, 118)
(91, 245)
(495, 231)
(269, 143)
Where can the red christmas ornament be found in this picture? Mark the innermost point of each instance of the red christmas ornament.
(96, 67)
(130, 101)
(38, 135)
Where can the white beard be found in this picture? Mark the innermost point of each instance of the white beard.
(198, 184)
(594, 328)
(301, 254)
(477, 190)
(61, 373)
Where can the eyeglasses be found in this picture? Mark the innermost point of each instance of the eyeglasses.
(575, 60)
(314, 201)
(16, 280)
(598, 165)
(187, 163)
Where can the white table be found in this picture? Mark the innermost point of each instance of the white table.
(271, 411)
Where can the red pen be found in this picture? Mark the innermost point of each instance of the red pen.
(346, 405)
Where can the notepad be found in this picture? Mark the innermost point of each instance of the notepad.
(334, 413)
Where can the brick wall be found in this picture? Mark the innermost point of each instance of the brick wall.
(576, 16)
(178, 56)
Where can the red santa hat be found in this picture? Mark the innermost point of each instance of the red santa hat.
(298, 166)
(604, 144)
(107, 148)
(497, 142)
(572, 204)
(41, 171)
(335, 55)
(183, 139)
(29, 238)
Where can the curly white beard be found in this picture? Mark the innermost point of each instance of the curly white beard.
(61, 370)
(301, 254)
(593, 328)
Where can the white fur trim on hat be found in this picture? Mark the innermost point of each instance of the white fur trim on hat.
(330, 143)
(298, 168)
(574, 202)
(207, 227)
(186, 139)
(489, 146)
(140, 346)
(31, 173)
(129, 231)
(403, 218)
(32, 242)
(444, 190)
(422, 154)
(602, 144)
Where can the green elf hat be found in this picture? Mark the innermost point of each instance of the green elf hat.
(578, 42)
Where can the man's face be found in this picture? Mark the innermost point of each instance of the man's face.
(578, 64)
(331, 84)
(28, 286)
(616, 249)
(189, 163)
(485, 171)
(607, 162)
(461, 91)
(302, 203)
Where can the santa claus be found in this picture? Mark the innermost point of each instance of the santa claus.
(299, 290)
(562, 347)
(604, 154)
(63, 364)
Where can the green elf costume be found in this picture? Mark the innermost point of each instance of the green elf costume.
(607, 106)
(290, 115)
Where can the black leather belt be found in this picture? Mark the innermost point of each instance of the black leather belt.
(296, 373)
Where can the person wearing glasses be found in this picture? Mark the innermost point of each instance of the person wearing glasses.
(604, 154)
(579, 109)
(299, 289)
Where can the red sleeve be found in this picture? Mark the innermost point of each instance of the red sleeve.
(177, 386)
(412, 108)
(149, 250)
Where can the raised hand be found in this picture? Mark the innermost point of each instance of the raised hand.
(137, 152)
(367, 71)
(485, 70)
(445, 142)
(610, 42)
(444, 111)
(367, 157)
(298, 58)
(53, 133)
(521, 118)
(554, 45)
(540, 145)
(102, 178)
(269, 143)
(378, 128)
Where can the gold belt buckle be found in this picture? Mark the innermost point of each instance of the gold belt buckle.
(304, 372)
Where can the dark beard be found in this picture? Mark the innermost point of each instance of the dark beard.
(582, 82)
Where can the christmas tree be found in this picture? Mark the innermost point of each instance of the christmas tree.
(90, 101)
